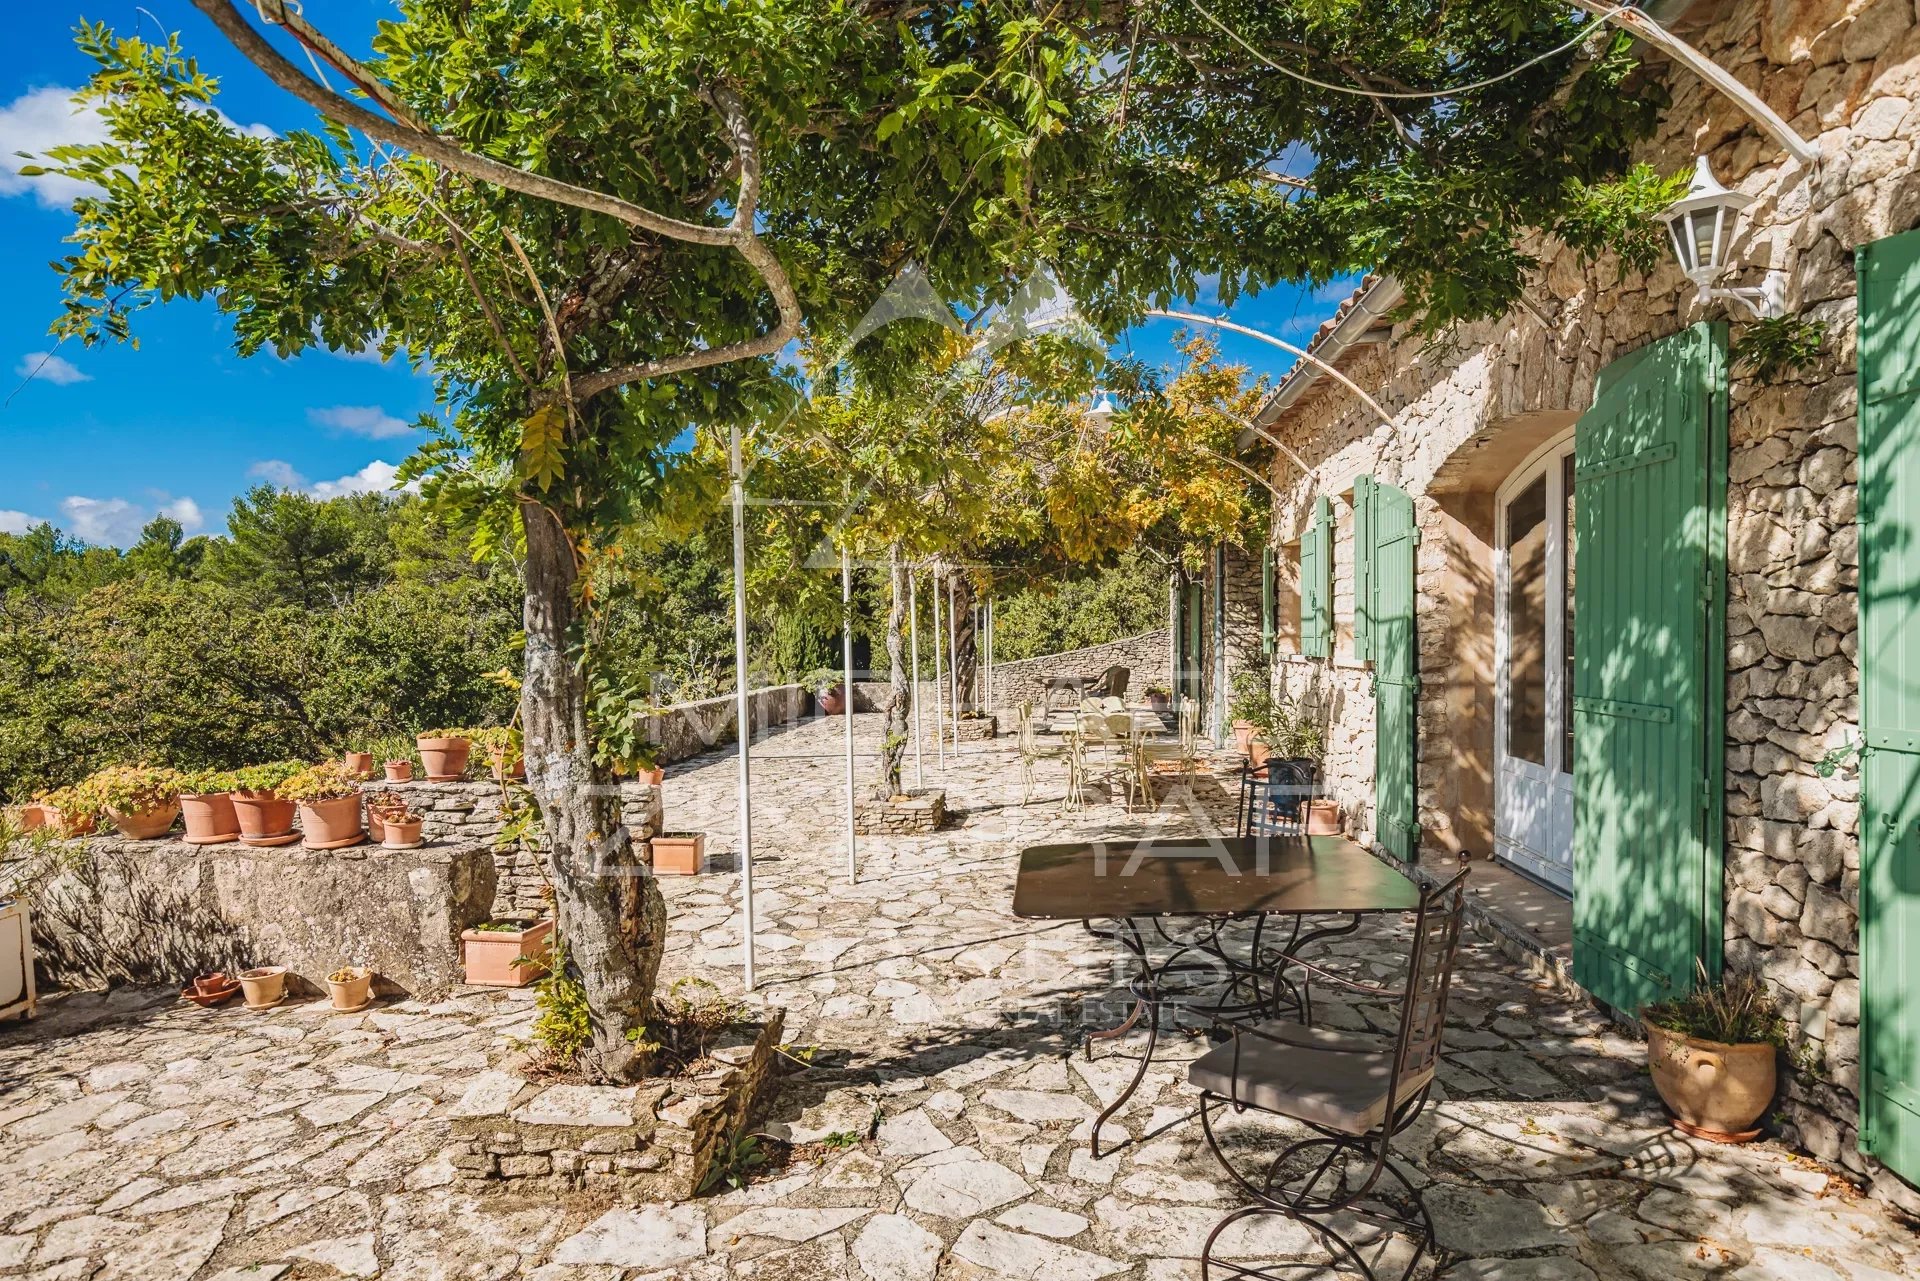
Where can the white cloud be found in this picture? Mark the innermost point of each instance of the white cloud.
(115, 522)
(47, 367)
(370, 421)
(43, 118)
(375, 478)
(187, 512)
(276, 472)
(12, 522)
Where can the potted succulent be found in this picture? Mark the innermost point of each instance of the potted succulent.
(829, 689)
(401, 829)
(1713, 1056)
(1159, 698)
(443, 754)
(506, 953)
(381, 803)
(63, 810)
(501, 743)
(265, 986)
(206, 805)
(266, 817)
(329, 802)
(358, 764)
(142, 801)
(679, 853)
(400, 771)
(350, 988)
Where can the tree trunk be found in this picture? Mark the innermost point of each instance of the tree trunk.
(893, 741)
(966, 649)
(612, 918)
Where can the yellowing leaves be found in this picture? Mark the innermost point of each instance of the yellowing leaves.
(543, 453)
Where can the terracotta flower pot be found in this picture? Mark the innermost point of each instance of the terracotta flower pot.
(495, 757)
(209, 984)
(265, 819)
(399, 771)
(359, 764)
(1258, 753)
(350, 987)
(331, 825)
(444, 759)
(264, 986)
(1714, 1090)
(657, 775)
(401, 836)
(210, 818)
(679, 853)
(37, 815)
(490, 956)
(1159, 702)
(147, 824)
(1242, 736)
(834, 701)
(376, 824)
(1323, 818)
(78, 825)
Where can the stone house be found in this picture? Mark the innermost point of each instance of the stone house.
(1588, 610)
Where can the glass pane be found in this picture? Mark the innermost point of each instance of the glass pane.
(1566, 616)
(1527, 623)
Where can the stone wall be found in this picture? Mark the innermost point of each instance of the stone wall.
(1145, 657)
(471, 812)
(687, 729)
(1844, 72)
(162, 911)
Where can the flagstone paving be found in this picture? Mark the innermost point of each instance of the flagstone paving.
(942, 1120)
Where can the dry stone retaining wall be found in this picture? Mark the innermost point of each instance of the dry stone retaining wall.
(1144, 656)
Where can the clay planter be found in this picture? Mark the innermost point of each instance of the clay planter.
(444, 759)
(210, 818)
(359, 764)
(1258, 753)
(1323, 818)
(350, 988)
(35, 816)
(679, 853)
(834, 701)
(1159, 702)
(500, 775)
(401, 836)
(489, 955)
(148, 824)
(1715, 1091)
(331, 825)
(657, 775)
(264, 986)
(265, 819)
(209, 990)
(399, 771)
(1242, 736)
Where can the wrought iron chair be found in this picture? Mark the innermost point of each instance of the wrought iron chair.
(1274, 797)
(1181, 758)
(1112, 682)
(1355, 1091)
(1027, 737)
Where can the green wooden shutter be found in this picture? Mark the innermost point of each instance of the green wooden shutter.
(1889, 277)
(1649, 670)
(1364, 491)
(1316, 583)
(1387, 568)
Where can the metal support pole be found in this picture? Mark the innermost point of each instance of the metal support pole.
(742, 703)
(987, 682)
(846, 658)
(953, 663)
(939, 725)
(913, 643)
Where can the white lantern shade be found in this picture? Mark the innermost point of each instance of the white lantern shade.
(1103, 411)
(1701, 223)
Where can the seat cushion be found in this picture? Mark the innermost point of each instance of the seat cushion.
(1326, 1077)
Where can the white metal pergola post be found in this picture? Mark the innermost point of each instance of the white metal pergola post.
(846, 658)
(953, 665)
(742, 703)
(913, 643)
(939, 726)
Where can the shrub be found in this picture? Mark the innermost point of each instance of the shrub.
(328, 782)
(1736, 1011)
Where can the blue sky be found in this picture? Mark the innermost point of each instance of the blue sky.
(99, 440)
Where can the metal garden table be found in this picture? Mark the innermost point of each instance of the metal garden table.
(1141, 885)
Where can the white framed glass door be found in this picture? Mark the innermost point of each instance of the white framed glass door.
(1533, 685)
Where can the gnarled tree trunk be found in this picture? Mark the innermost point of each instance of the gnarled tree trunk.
(893, 743)
(966, 648)
(612, 918)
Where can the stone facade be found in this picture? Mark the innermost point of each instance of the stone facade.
(146, 912)
(654, 1141)
(919, 814)
(1144, 656)
(1847, 74)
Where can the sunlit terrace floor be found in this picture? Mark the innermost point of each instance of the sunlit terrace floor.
(143, 1139)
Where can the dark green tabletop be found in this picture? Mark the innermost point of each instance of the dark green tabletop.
(1202, 876)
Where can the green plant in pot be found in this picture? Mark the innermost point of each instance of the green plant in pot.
(206, 806)
(328, 797)
(829, 689)
(265, 817)
(1251, 712)
(1159, 697)
(444, 752)
(501, 743)
(142, 801)
(1713, 1055)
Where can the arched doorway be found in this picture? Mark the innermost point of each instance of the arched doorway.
(1533, 665)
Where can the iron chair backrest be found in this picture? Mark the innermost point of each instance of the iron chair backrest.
(1274, 798)
(1113, 681)
(1026, 733)
(1423, 1010)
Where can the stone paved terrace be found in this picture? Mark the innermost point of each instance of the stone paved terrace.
(147, 1139)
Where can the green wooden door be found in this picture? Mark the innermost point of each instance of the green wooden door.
(1650, 523)
(1385, 537)
(1889, 275)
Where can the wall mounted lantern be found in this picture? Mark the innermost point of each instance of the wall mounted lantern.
(1700, 225)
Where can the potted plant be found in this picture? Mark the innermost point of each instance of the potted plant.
(1712, 1054)
(501, 743)
(506, 953)
(358, 764)
(443, 754)
(1159, 698)
(208, 990)
(402, 829)
(1323, 817)
(400, 771)
(141, 800)
(679, 853)
(1252, 712)
(63, 810)
(329, 802)
(265, 986)
(206, 805)
(266, 818)
(829, 689)
(380, 804)
(350, 988)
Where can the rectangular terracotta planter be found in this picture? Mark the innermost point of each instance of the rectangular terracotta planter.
(489, 955)
(679, 854)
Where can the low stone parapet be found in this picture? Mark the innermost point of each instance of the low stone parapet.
(976, 729)
(915, 814)
(146, 912)
(653, 1141)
